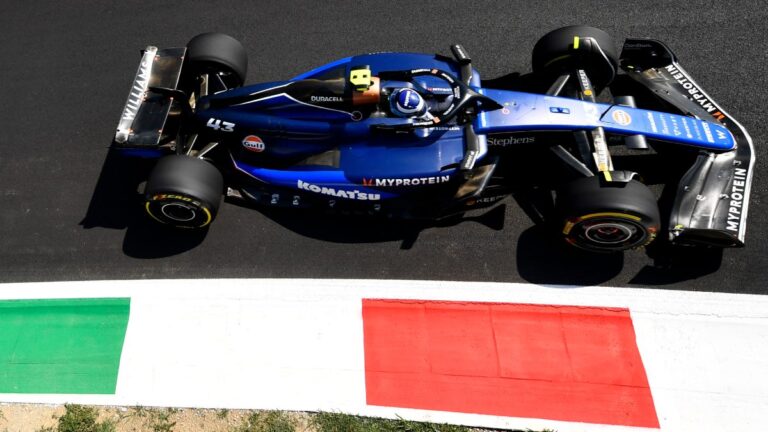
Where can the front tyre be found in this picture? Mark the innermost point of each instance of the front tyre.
(184, 192)
(568, 49)
(607, 217)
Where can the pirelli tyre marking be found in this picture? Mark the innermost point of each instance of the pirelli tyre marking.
(569, 224)
(610, 228)
(178, 210)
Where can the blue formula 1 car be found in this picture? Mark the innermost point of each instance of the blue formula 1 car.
(422, 136)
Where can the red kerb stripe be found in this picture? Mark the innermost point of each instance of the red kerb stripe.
(554, 362)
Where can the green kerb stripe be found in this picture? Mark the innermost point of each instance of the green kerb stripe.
(61, 346)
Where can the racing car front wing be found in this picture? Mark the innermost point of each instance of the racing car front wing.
(712, 197)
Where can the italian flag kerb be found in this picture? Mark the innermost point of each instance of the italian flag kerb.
(568, 363)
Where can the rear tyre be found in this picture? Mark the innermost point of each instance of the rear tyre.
(217, 53)
(556, 53)
(184, 192)
(609, 217)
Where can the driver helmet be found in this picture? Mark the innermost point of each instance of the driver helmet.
(406, 102)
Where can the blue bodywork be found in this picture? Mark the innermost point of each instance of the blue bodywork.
(532, 112)
(367, 165)
(338, 138)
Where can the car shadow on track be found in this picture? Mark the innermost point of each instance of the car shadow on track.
(673, 264)
(544, 258)
(342, 228)
(116, 203)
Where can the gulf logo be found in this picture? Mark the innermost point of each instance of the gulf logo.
(253, 143)
(621, 117)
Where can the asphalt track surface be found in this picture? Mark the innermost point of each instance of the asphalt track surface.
(66, 68)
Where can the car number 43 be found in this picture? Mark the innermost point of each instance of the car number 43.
(219, 125)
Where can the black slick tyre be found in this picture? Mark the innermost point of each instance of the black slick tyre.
(568, 49)
(607, 217)
(220, 54)
(184, 192)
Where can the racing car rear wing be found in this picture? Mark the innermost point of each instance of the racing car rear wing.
(712, 197)
(145, 113)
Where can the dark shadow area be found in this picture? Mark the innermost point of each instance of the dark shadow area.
(148, 239)
(654, 168)
(533, 83)
(115, 198)
(350, 228)
(116, 203)
(516, 81)
(537, 203)
(544, 258)
(624, 85)
(673, 264)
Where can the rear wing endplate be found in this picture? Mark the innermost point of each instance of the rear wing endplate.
(144, 115)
